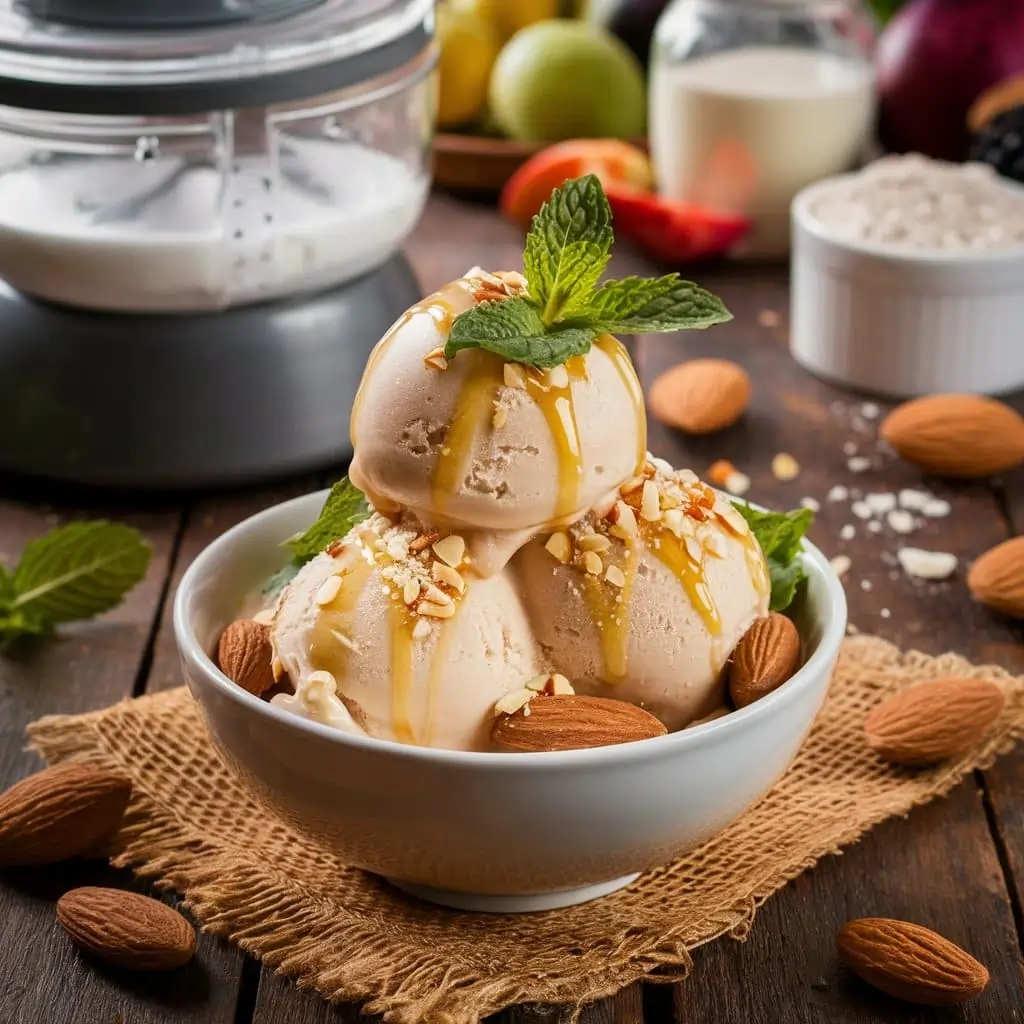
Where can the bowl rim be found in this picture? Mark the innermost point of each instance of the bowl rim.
(806, 220)
(834, 619)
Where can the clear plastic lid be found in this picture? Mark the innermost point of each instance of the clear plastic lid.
(173, 56)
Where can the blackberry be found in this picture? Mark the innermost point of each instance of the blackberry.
(1000, 143)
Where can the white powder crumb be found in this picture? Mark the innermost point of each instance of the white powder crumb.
(785, 467)
(737, 483)
(848, 532)
(875, 526)
(849, 449)
(838, 493)
(880, 504)
(914, 500)
(858, 464)
(862, 510)
(901, 521)
(812, 503)
(936, 508)
(885, 613)
(927, 565)
(865, 584)
(841, 565)
(869, 411)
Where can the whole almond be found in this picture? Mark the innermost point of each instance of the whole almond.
(957, 435)
(766, 656)
(910, 962)
(997, 578)
(126, 930)
(61, 812)
(700, 396)
(929, 722)
(245, 655)
(570, 723)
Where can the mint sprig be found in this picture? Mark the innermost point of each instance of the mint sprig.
(564, 310)
(780, 535)
(346, 506)
(74, 572)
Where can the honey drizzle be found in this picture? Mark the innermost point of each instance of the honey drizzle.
(672, 553)
(438, 665)
(616, 352)
(612, 616)
(403, 651)
(325, 650)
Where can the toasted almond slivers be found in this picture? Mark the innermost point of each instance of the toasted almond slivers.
(500, 417)
(450, 577)
(435, 359)
(512, 702)
(559, 547)
(265, 617)
(328, 590)
(693, 549)
(410, 591)
(670, 500)
(674, 520)
(451, 550)
(539, 683)
(436, 611)
(422, 542)
(631, 486)
(421, 630)
(625, 521)
(594, 542)
(434, 595)
(615, 576)
(558, 377)
(715, 545)
(592, 563)
(559, 686)
(514, 376)
(650, 502)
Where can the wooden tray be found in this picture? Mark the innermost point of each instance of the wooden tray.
(478, 163)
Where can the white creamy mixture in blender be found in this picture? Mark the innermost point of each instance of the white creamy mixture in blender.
(324, 212)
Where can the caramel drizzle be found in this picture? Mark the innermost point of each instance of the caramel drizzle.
(612, 615)
(616, 352)
(403, 657)
(672, 552)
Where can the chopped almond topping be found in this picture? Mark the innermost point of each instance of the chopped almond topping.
(559, 547)
(512, 702)
(650, 502)
(514, 376)
(670, 500)
(693, 549)
(434, 595)
(632, 486)
(450, 577)
(435, 359)
(265, 617)
(436, 611)
(592, 563)
(707, 497)
(500, 417)
(615, 576)
(696, 512)
(594, 542)
(421, 630)
(328, 590)
(558, 377)
(715, 545)
(539, 683)
(410, 591)
(559, 686)
(335, 548)
(451, 550)
(423, 542)
(648, 470)
(624, 521)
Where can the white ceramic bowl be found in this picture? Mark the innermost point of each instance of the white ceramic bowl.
(507, 832)
(903, 322)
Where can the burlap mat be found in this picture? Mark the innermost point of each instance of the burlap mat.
(193, 828)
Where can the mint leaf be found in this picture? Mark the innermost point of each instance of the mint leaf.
(780, 535)
(513, 329)
(277, 581)
(345, 506)
(7, 591)
(75, 572)
(568, 248)
(668, 303)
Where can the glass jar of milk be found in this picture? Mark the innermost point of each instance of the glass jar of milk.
(751, 100)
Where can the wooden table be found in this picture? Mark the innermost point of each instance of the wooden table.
(956, 865)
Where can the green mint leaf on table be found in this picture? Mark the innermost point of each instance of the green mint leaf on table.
(638, 304)
(514, 329)
(568, 247)
(567, 251)
(74, 572)
(345, 506)
(780, 535)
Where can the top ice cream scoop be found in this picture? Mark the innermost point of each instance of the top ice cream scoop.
(478, 443)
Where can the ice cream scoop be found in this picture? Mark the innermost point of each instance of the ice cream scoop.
(481, 444)
(388, 633)
(645, 600)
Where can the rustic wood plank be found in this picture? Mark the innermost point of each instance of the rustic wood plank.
(88, 666)
(940, 865)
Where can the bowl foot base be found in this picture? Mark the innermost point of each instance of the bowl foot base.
(514, 903)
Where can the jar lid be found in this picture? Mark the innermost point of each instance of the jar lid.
(179, 57)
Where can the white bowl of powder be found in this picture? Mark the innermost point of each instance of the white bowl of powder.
(908, 279)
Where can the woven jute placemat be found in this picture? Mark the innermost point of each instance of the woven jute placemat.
(191, 826)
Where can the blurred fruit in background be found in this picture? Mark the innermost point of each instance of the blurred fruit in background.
(632, 21)
(997, 123)
(469, 46)
(507, 17)
(561, 79)
(611, 160)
